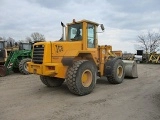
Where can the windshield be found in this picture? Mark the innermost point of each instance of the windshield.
(25, 46)
(1, 45)
(75, 32)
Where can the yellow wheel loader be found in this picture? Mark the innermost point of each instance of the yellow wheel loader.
(78, 59)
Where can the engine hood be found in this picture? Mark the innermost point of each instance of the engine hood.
(65, 48)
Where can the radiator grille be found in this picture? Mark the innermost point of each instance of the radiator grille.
(38, 53)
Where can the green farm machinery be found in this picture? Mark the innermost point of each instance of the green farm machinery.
(17, 60)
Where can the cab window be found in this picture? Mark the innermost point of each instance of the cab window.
(25, 46)
(75, 32)
(1, 45)
(91, 36)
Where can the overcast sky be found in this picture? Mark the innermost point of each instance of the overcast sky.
(124, 20)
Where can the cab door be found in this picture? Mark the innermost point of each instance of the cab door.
(91, 36)
(92, 41)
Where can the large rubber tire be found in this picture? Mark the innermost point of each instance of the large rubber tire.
(115, 71)
(23, 66)
(51, 81)
(3, 71)
(81, 77)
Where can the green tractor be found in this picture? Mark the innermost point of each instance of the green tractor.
(17, 60)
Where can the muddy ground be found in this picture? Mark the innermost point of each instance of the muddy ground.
(24, 97)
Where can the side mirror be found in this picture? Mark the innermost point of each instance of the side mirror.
(102, 27)
(62, 24)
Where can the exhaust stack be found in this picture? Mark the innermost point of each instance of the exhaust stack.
(63, 31)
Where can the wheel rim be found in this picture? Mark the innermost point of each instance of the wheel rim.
(119, 71)
(86, 78)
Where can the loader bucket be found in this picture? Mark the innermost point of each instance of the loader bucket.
(130, 69)
(3, 71)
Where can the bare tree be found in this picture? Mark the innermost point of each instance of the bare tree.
(10, 42)
(28, 39)
(3, 38)
(150, 42)
(35, 37)
(21, 41)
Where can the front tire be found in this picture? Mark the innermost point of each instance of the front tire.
(114, 71)
(51, 81)
(23, 66)
(81, 77)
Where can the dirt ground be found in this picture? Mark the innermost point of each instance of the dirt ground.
(24, 97)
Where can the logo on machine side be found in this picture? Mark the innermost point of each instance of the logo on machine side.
(59, 48)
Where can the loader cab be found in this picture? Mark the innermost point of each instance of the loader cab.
(84, 31)
(25, 46)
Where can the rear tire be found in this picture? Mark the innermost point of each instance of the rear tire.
(114, 71)
(51, 81)
(23, 66)
(81, 77)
